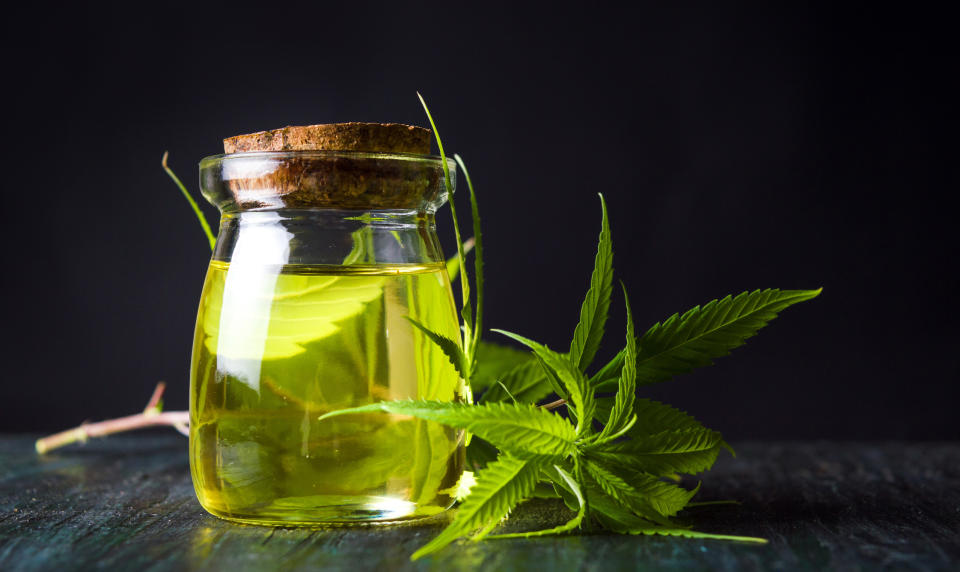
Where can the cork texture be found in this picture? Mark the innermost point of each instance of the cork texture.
(346, 178)
(368, 137)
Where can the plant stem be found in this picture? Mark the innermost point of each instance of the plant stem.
(554, 404)
(193, 204)
(150, 417)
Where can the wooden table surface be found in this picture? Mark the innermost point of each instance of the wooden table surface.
(126, 503)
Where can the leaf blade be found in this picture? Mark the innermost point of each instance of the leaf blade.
(596, 304)
(450, 348)
(500, 487)
(477, 259)
(687, 451)
(573, 380)
(682, 343)
(461, 255)
(574, 488)
(624, 399)
(520, 429)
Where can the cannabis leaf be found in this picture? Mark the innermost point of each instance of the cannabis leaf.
(614, 460)
(501, 486)
(522, 429)
(448, 346)
(685, 342)
(572, 380)
(525, 382)
(623, 401)
(596, 304)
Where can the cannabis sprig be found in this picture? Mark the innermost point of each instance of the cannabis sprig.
(614, 460)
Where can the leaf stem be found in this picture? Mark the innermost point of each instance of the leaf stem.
(193, 203)
(554, 404)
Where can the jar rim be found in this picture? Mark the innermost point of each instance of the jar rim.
(324, 153)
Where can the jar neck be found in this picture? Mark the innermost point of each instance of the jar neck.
(328, 237)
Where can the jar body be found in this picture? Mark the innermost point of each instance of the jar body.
(303, 312)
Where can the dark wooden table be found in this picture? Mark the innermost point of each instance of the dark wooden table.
(126, 503)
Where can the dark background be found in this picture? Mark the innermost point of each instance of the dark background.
(739, 146)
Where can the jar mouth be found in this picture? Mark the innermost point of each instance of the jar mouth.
(352, 180)
(321, 154)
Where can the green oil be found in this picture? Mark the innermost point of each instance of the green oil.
(276, 348)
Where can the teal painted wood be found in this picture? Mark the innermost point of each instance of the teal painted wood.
(126, 503)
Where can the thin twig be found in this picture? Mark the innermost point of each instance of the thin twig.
(554, 404)
(156, 397)
(150, 417)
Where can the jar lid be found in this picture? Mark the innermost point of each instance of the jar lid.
(357, 166)
(368, 137)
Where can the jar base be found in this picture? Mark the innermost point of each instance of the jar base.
(330, 510)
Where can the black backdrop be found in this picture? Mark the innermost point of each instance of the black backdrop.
(739, 146)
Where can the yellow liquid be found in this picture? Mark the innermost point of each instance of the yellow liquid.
(276, 348)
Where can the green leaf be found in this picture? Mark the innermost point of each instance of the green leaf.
(638, 526)
(477, 259)
(494, 361)
(683, 343)
(451, 348)
(193, 204)
(617, 518)
(520, 429)
(688, 451)
(480, 453)
(461, 255)
(640, 492)
(573, 380)
(596, 304)
(609, 375)
(433, 449)
(571, 485)
(654, 417)
(500, 487)
(622, 410)
(527, 383)
(453, 263)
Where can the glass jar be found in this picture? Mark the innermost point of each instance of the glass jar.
(321, 258)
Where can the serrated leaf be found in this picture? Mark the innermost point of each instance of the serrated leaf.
(608, 376)
(654, 417)
(450, 348)
(619, 492)
(640, 491)
(527, 383)
(683, 343)
(574, 382)
(494, 361)
(500, 487)
(616, 518)
(688, 451)
(622, 410)
(638, 526)
(596, 304)
(517, 428)
(480, 453)
(571, 485)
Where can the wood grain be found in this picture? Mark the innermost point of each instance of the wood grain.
(126, 503)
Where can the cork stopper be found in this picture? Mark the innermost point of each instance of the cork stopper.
(369, 137)
(345, 173)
